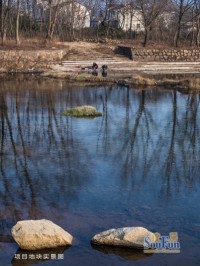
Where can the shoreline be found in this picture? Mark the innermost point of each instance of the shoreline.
(66, 62)
(184, 76)
(128, 79)
(137, 79)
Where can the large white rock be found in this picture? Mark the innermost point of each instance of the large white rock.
(132, 237)
(39, 234)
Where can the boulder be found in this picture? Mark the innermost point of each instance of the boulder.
(40, 234)
(131, 237)
(82, 111)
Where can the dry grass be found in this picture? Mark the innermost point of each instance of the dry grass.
(78, 77)
(192, 83)
(32, 44)
(83, 111)
(140, 80)
(168, 82)
(188, 84)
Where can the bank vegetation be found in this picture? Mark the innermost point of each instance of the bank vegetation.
(159, 23)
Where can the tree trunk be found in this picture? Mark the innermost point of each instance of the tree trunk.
(52, 21)
(146, 36)
(17, 23)
(178, 30)
(193, 28)
(130, 27)
(1, 16)
(107, 31)
(72, 33)
(4, 21)
(48, 37)
(97, 34)
(198, 32)
(176, 39)
(198, 38)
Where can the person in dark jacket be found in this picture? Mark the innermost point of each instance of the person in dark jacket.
(104, 70)
(94, 66)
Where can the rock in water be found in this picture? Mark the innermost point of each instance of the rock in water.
(39, 234)
(131, 237)
(83, 111)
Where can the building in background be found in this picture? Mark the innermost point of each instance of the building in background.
(123, 17)
(130, 19)
(72, 13)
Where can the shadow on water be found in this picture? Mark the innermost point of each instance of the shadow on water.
(128, 254)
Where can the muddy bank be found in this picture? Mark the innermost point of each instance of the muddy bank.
(135, 79)
(129, 79)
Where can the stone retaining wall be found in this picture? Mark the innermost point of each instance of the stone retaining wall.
(160, 54)
(20, 60)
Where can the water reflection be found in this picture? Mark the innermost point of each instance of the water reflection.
(140, 160)
(35, 137)
(128, 254)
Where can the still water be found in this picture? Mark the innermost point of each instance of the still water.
(138, 165)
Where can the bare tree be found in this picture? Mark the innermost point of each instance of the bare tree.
(197, 21)
(181, 8)
(150, 9)
(17, 22)
(5, 11)
(1, 15)
(52, 18)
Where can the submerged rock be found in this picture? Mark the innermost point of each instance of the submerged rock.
(82, 111)
(40, 234)
(131, 237)
(122, 82)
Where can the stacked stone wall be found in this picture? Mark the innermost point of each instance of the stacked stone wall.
(160, 54)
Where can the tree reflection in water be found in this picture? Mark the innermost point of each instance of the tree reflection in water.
(147, 142)
(39, 161)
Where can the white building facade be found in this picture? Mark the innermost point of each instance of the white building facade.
(73, 13)
(130, 19)
(127, 18)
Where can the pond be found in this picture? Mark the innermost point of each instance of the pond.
(137, 165)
